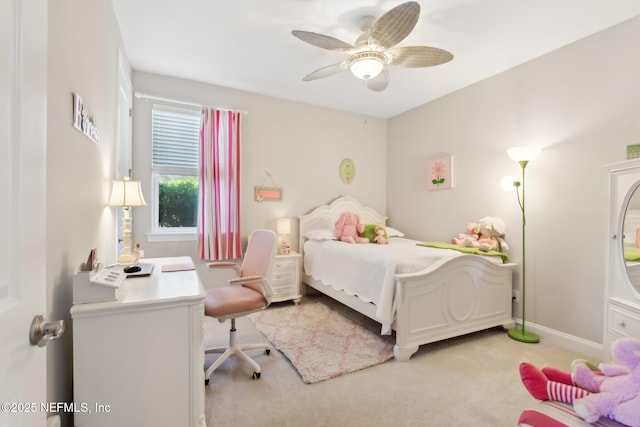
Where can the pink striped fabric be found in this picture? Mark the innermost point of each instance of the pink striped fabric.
(564, 392)
(219, 210)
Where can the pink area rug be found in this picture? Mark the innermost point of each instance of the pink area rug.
(320, 343)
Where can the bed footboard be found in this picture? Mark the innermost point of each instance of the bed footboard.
(461, 295)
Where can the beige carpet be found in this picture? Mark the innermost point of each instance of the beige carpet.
(466, 381)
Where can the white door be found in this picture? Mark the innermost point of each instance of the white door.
(23, 123)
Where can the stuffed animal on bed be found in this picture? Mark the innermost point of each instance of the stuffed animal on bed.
(375, 233)
(348, 228)
(491, 230)
(381, 235)
(469, 238)
(612, 391)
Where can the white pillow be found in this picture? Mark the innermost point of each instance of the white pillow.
(319, 235)
(392, 232)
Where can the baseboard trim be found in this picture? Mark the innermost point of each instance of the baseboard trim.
(587, 349)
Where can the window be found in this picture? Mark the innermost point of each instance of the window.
(175, 134)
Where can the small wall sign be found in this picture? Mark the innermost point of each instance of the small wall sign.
(268, 194)
(82, 121)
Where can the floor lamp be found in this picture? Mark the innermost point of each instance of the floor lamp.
(126, 194)
(523, 155)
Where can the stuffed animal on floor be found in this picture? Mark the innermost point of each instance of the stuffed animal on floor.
(612, 391)
(348, 228)
(491, 231)
(618, 387)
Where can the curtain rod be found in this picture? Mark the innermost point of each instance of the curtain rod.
(138, 94)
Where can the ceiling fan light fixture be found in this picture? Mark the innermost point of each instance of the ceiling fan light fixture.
(375, 48)
(367, 65)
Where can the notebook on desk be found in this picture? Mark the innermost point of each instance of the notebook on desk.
(177, 267)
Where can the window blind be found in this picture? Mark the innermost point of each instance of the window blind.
(175, 136)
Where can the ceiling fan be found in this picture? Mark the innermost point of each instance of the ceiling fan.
(374, 49)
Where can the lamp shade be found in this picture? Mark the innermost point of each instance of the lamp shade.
(126, 193)
(284, 226)
(366, 68)
(523, 153)
(366, 65)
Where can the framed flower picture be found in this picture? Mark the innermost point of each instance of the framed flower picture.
(440, 173)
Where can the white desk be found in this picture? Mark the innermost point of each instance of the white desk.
(139, 361)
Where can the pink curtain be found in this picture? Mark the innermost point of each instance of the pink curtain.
(219, 210)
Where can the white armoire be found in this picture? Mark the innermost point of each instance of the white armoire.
(622, 302)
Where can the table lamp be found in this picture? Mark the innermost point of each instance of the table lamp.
(126, 194)
(284, 229)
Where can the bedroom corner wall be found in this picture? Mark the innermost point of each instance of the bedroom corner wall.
(581, 103)
(84, 42)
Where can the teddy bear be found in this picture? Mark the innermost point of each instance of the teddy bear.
(381, 235)
(611, 390)
(348, 228)
(491, 231)
(469, 238)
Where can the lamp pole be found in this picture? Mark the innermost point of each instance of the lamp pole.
(522, 335)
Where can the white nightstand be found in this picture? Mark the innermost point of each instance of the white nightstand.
(285, 278)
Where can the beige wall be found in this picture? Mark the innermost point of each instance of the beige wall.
(300, 145)
(83, 58)
(580, 102)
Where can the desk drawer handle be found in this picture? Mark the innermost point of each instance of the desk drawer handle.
(622, 324)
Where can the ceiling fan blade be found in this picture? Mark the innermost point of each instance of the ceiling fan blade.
(392, 27)
(327, 71)
(320, 40)
(418, 56)
(379, 82)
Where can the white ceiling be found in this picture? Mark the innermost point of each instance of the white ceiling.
(247, 44)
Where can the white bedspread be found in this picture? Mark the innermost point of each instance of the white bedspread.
(367, 270)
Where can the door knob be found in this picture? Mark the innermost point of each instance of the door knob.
(41, 331)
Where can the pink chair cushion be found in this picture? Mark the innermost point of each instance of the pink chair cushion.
(230, 300)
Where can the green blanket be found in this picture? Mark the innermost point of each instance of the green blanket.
(631, 254)
(465, 249)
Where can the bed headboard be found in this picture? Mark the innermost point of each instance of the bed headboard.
(324, 217)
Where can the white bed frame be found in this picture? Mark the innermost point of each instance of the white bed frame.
(453, 297)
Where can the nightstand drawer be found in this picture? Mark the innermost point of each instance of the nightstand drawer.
(283, 270)
(623, 322)
(282, 265)
(280, 277)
